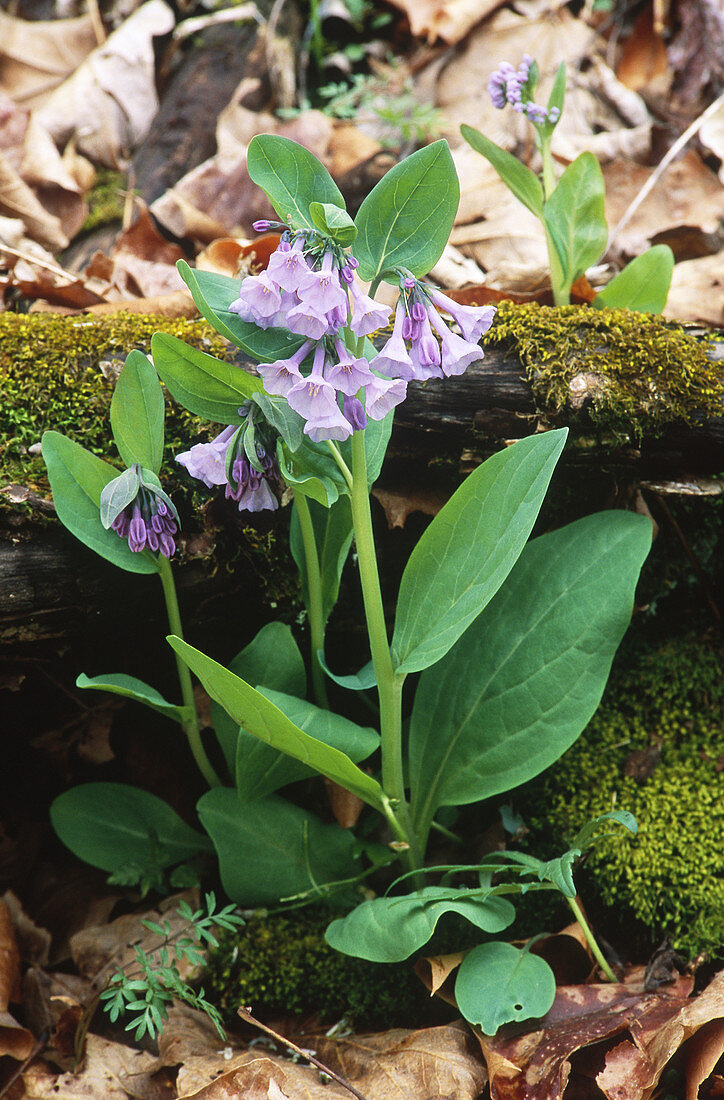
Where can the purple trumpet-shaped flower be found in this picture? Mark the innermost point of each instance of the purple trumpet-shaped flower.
(383, 394)
(417, 321)
(287, 266)
(323, 291)
(316, 400)
(354, 411)
(259, 300)
(368, 315)
(348, 374)
(253, 481)
(148, 521)
(279, 377)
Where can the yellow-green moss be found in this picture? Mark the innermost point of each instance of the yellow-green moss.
(51, 376)
(283, 962)
(667, 707)
(105, 201)
(637, 372)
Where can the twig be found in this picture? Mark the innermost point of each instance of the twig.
(245, 1014)
(663, 164)
(95, 15)
(227, 15)
(39, 262)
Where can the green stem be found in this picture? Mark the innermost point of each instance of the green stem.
(389, 685)
(314, 587)
(590, 939)
(561, 292)
(190, 723)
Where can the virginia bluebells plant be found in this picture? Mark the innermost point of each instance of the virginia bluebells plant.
(516, 87)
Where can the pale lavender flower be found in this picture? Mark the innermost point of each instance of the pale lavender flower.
(322, 291)
(207, 461)
(394, 359)
(282, 374)
(456, 353)
(260, 296)
(287, 266)
(316, 400)
(383, 394)
(348, 374)
(252, 488)
(368, 315)
(473, 321)
(304, 320)
(510, 86)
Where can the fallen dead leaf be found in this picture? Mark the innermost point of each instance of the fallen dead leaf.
(37, 56)
(50, 176)
(18, 201)
(110, 1071)
(398, 1064)
(633, 1068)
(643, 58)
(33, 941)
(711, 135)
(9, 960)
(697, 291)
(401, 502)
(260, 1076)
(436, 973)
(703, 1051)
(15, 1040)
(447, 19)
(110, 100)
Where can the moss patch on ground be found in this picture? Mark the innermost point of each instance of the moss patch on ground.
(636, 372)
(655, 748)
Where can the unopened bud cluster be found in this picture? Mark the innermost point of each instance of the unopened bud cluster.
(511, 86)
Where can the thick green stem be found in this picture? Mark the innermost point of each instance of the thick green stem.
(389, 685)
(190, 722)
(590, 939)
(314, 588)
(561, 292)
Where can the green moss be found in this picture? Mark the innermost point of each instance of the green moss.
(665, 707)
(283, 962)
(633, 373)
(105, 201)
(52, 376)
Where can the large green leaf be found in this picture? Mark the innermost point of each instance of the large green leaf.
(213, 294)
(497, 984)
(112, 826)
(526, 677)
(517, 177)
(250, 709)
(117, 683)
(272, 660)
(77, 479)
(292, 177)
(203, 384)
(137, 412)
(390, 929)
(312, 471)
(333, 535)
(643, 284)
(261, 770)
(468, 550)
(575, 218)
(271, 849)
(406, 219)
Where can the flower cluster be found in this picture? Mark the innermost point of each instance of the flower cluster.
(435, 351)
(309, 288)
(509, 85)
(135, 506)
(241, 457)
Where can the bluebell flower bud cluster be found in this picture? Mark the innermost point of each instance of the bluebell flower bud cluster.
(242, 459)
(148, 520)
(511, 86)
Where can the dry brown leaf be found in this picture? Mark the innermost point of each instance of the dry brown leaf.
(633, 1069)
(9, 960)
(401, 502)
(536, 1064)
(38, 56)
(109, 946)
(110, 1071)
(711, 136)
(175, 305)
(643, 58)
(436, 973)
(697, 291)
(18, 201)
(703, 1051)
(688, 194)
(15, 1041)
(447, 19)
(47, 172)
(345, 805)
(33, 941)
(397, 1064)
(348, 148)
(13, 123)
(265, 1077)
(109, 102)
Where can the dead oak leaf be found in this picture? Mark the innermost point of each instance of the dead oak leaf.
(449, 20)
(399, 1064)
(37, 56)
(110, 1071)
(266, 1077)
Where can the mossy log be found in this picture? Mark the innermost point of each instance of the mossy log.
(635, 392)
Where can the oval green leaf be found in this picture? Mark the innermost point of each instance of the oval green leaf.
(643, 285)
(526, 677)
(77, 479)
(497, 984)
(406, 219)
(467, 551)
(117, 683)
(202, 383)
(111, 826)
(575, 218)
(292, 177)
(516, 176)
(137, 412)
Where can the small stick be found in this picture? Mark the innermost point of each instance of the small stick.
(39, 262)
(39, 1047)
(245, 1014)
(98, 29)
(663, 164)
